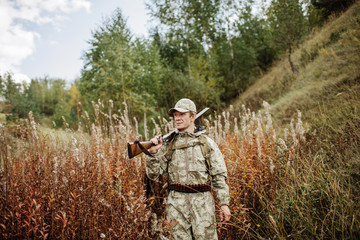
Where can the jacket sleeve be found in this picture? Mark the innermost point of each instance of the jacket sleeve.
(218, 173)
(156, 165)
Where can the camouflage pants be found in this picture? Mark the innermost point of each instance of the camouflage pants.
(194, 214)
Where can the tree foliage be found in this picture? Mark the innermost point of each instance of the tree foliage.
(242, 55)
(209, 51)
(46, 93)
(288, 24)
(40, 96)
(189, 26)
(233, 44)
(10, 90)
(120, 68)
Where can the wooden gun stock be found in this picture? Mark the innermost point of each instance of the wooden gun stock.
(134, 148)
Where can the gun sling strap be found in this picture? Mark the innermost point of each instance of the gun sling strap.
(137, 141)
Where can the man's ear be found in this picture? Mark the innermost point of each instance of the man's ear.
(193, 116)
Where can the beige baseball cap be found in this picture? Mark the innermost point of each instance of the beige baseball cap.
(183, 105)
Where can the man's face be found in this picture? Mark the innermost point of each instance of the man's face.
(184, 121)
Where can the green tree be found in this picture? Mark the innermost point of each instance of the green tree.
(188, 26)
(16, 103)
(242, 51)
(185, 37)
(56, 91)
(46, 93)
(75, 96)
(200, 87)
(62, 111)
(222, 35)
(288, 25)
(10, 89)
(40, 96)
(108, 66)
(120, 68)
(68, 108)
(2, 86)
(22, 107)
(35, 94)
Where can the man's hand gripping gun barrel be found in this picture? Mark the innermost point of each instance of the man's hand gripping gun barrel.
(137, 147)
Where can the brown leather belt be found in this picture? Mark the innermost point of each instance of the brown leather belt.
(189, 188)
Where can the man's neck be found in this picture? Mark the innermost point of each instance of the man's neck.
(190, 129)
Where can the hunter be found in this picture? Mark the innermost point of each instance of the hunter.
(194, 165)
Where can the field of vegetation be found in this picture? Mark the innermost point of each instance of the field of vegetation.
(290, 141)
(70, 184)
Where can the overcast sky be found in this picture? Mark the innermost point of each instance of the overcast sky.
(41, 38)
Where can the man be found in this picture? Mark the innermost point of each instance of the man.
(189, 160)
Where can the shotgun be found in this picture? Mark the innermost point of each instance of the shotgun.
(137, 147)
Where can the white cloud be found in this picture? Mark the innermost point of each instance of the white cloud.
(17, 41)
(20, 77)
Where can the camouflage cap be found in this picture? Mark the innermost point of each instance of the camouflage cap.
(183, 105)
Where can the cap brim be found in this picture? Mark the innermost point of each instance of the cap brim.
(172, 110)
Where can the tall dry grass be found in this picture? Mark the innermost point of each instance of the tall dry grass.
(77, 185)
(78, 188)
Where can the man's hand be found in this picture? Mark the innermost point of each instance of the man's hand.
(157, 141)
(225, 213)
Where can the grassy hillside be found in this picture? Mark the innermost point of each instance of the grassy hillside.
(326, 86)
(326, 90)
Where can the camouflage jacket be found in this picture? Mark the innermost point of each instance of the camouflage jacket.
(187, 165)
